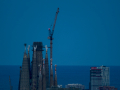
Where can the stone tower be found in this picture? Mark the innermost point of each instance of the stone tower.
(34, 70)
(55, 78)
(40, 79)
(24, 79)
(38, 54)
(44, 76)
(51, 73)
(36, 76)
(28, 60)
(46, 68)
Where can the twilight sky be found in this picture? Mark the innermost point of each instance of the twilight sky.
(87, 32)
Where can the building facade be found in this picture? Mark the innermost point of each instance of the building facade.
(99, 76)
(82, 87)
(107, 88)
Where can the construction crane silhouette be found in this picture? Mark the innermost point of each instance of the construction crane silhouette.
(10, 83)
(51, 33)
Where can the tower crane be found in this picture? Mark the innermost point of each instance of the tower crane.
(51, 33)
(51, 38)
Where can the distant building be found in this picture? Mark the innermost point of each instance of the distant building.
(82, 87)
(59, 86)
(63, 89)
(107, 88)
(99, 76)
(68, 87)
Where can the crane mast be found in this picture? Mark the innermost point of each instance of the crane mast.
(50, 37)
(51, 33)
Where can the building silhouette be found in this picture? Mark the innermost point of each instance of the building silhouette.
(99, 76)
(25, 76)
(107, 88)
(36, 75)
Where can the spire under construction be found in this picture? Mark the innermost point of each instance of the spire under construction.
(39, 57)
(34, 77)
(46, 68)
(36, 62)
(34, 70)
(51, 74)
(55, 78)
(24, 81)
(28, 59)
(44, 76)
(40, 79)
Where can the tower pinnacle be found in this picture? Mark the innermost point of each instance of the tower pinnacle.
(35, 48)
(28, 48)
(25, 47)
(25, 78)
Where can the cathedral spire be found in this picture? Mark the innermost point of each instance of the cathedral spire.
(37, 51)
(34, 70)
(40, 78)
(46, 68)
(51, 73)
(55, 78)
(25, 47)
(25, 78)
(28, 56)
(44, 76)
(25, 55)
(28, 48)
(28, 60)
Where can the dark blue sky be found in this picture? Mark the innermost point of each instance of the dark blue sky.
(87, 32)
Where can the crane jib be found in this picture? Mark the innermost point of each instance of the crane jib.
(55, 19)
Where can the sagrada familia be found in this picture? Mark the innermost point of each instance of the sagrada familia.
(35, 76)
